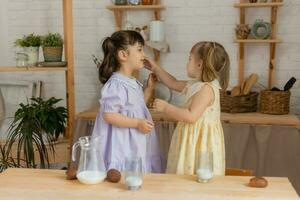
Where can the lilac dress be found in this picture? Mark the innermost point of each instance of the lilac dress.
(124, 95)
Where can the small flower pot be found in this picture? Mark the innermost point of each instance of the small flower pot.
(33, 55)
(52, 54)
(147, 2)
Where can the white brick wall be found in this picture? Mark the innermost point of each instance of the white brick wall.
(187, 21)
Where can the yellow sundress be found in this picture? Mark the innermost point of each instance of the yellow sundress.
(206, 134)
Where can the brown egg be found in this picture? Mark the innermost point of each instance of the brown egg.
(71, 172)
(113, 175)
(259, 182)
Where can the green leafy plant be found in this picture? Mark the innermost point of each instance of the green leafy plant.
(53, 119)
(52, 40)
(35, 126)
(31, 40)
(6, 160)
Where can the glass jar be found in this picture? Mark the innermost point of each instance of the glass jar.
(134, 2)
(119, 2)
(21, 59)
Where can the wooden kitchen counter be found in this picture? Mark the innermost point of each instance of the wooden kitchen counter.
(33, 184)
(238, 118)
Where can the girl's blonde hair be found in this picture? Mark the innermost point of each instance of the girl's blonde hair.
(215, 62)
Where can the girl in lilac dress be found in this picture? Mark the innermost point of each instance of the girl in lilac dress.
(124, 122)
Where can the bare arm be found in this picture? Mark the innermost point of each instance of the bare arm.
(169, 80)
(200, 101)
(148, 94)
(149, 90)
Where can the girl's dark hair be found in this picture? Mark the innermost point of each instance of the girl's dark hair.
(119, 40)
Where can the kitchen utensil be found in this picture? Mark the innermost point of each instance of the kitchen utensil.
(275, 89)
(251, 80)
(289, 84)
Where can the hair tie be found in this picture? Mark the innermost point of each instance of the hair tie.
(213, 45)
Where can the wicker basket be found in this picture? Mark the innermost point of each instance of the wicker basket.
(52, 54)
(238, 104)
(275, 102)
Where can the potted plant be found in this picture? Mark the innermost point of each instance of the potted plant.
(35, 126)
(30, 43)
(52, 47)
(6, 160)
(53, 119)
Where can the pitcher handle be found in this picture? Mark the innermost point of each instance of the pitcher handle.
(75, 145)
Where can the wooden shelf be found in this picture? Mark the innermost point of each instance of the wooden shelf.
(273, 6)
(258, 41)
(67, 9)
(138, 7)
(119, 10)
(245, 5)
(32, 69)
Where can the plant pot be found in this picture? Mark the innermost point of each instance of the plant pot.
(33, 55)
(147, 2)
(242, 31)
(52, 54)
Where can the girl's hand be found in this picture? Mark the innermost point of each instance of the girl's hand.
(144, 126)
(150, 64)
(160, 105)
(151, 81)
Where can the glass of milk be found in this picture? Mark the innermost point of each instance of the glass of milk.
(133, 173)
(205, 166)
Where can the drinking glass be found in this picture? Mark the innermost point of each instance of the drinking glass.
(133, 173)
(205, 167)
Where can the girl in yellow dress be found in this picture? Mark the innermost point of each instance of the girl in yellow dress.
(199, 127)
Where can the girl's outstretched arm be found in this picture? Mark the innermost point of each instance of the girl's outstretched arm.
(119, 120)
(199, 102)
(149, 89)
(169, 80)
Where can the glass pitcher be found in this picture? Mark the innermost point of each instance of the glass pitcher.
(91, 169)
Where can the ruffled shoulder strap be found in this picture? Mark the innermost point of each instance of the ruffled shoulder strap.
(195, 86)
(192, 88)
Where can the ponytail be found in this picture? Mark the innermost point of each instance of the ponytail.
(110, 63)
(208, 72)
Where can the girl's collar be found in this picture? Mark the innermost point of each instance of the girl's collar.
(130, 81)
